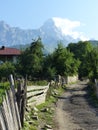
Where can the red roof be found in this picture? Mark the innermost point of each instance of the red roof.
(9, 51)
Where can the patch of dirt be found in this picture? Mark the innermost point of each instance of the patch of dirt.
(75, 109)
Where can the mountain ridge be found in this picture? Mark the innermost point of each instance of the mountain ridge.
(50, 34)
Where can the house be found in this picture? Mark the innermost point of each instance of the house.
(9, 54)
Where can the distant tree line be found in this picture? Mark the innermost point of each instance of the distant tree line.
(77, 58)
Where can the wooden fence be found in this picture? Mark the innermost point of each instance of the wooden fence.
(12, 109)
(9, 113)
(36, 95)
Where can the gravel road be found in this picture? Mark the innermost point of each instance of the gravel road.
(75, 109)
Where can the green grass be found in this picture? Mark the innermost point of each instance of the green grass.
(28, 126)
(3, 87)
(41, 83)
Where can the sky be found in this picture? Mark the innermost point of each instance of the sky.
(81, 15)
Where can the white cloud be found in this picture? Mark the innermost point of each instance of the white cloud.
(68, 27)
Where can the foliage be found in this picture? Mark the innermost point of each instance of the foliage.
(31, 60)
(3, 86)
(64, 61)
(38, 66)
(92, 93)
(29, 127)
(6, 69)
(81, 50)
(92, 64)
(48, 69)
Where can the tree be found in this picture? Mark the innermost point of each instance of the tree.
(92, 64)
(49, 70)
(64, 61)
(31, 60)
(81, 50)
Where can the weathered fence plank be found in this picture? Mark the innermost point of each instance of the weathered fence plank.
(31, 88)
(36, 94)
(37, 100)
(21, 99)
(5, 109)
(9, 114)
(2, 121)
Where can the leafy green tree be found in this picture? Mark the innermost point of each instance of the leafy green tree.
(92, 64)
(62, 62)
(49, 70)
(81, 50)
(31, 60)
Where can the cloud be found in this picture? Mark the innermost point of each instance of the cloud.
(68, 27)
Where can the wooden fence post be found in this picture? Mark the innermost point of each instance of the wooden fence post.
(23, 104)
(21, 99)
(15, 100)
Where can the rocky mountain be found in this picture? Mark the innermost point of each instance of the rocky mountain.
(50, 34)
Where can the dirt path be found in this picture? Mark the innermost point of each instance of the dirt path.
(75, 109)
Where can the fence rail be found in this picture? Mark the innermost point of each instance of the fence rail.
(36, 95)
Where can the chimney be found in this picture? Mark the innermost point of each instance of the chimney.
(3, 47)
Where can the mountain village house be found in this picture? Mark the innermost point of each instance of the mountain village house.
(9, 54)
